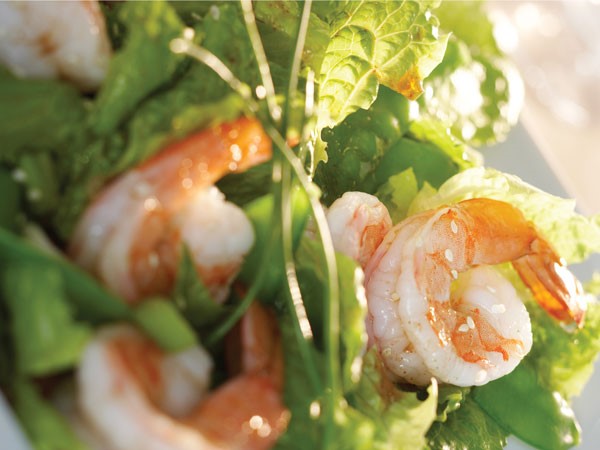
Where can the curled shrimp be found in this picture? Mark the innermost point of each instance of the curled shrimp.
(132, 395)
(358, 223)
(131, 236)
(55, 40)
(435, 309)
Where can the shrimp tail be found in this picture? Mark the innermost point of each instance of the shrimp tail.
(553, 285)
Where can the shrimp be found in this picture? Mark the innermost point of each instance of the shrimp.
(437, 309)
(358, 223)
(133, 396)
(131, 237)
(65, 40)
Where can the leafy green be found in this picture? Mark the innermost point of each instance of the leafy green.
(467, 427)
(192, 297)
(90, 301)
(575, 237)
(46, 337)
(165, 325)
(564, 360)
(544, 420)
(476, 90)
(55, 110)
(357, 144)
(46, 427)
(144, 63)
(9, 213)
(393, 43)
(401, 418)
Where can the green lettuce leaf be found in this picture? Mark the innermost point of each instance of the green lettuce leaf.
(397, 193)
(46, 428)
(192, 297)
(392, 43)
(46, 337)
(476, 90)
(575, 237)
(55, 110)
(401, 419)
(467, 427)
(144, 63)
(544, 420)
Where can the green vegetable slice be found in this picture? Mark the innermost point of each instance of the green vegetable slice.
(529, 411)
(46, 337)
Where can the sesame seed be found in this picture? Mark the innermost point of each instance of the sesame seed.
(454, 274)
(449, 255)
(386, 351)
(498, 308)
(463, 328)
(470, 322)
(454, 227)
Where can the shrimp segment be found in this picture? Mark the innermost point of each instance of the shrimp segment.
(132, 234)
(55, 40)
(433, 311)
(358, 223)
(133, 396)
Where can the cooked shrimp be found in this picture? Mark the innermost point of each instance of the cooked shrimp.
(473, 330)
(136, 397)
(132, 235)
(358, 223)
(55, 40)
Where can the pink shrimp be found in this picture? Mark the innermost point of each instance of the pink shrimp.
(132, 234)
(55, 40)
(358, 223)
(134, 396)
(436, 310)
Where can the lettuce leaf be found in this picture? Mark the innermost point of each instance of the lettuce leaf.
(476, 90)
(466, 428)
(401, 419)
(47, 339)
(144, 63)
(45, 426)
(393, 43)
(575, 237)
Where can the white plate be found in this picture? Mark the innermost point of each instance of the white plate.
(520, 156)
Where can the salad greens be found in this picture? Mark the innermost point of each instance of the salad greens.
(381, 97)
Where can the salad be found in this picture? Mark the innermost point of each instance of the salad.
(267, 225)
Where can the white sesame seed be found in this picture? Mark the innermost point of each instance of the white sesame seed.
(454, 227)
(449, 255)
(454, 274)
(498, 308)
(463, 328)
(470, 322)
